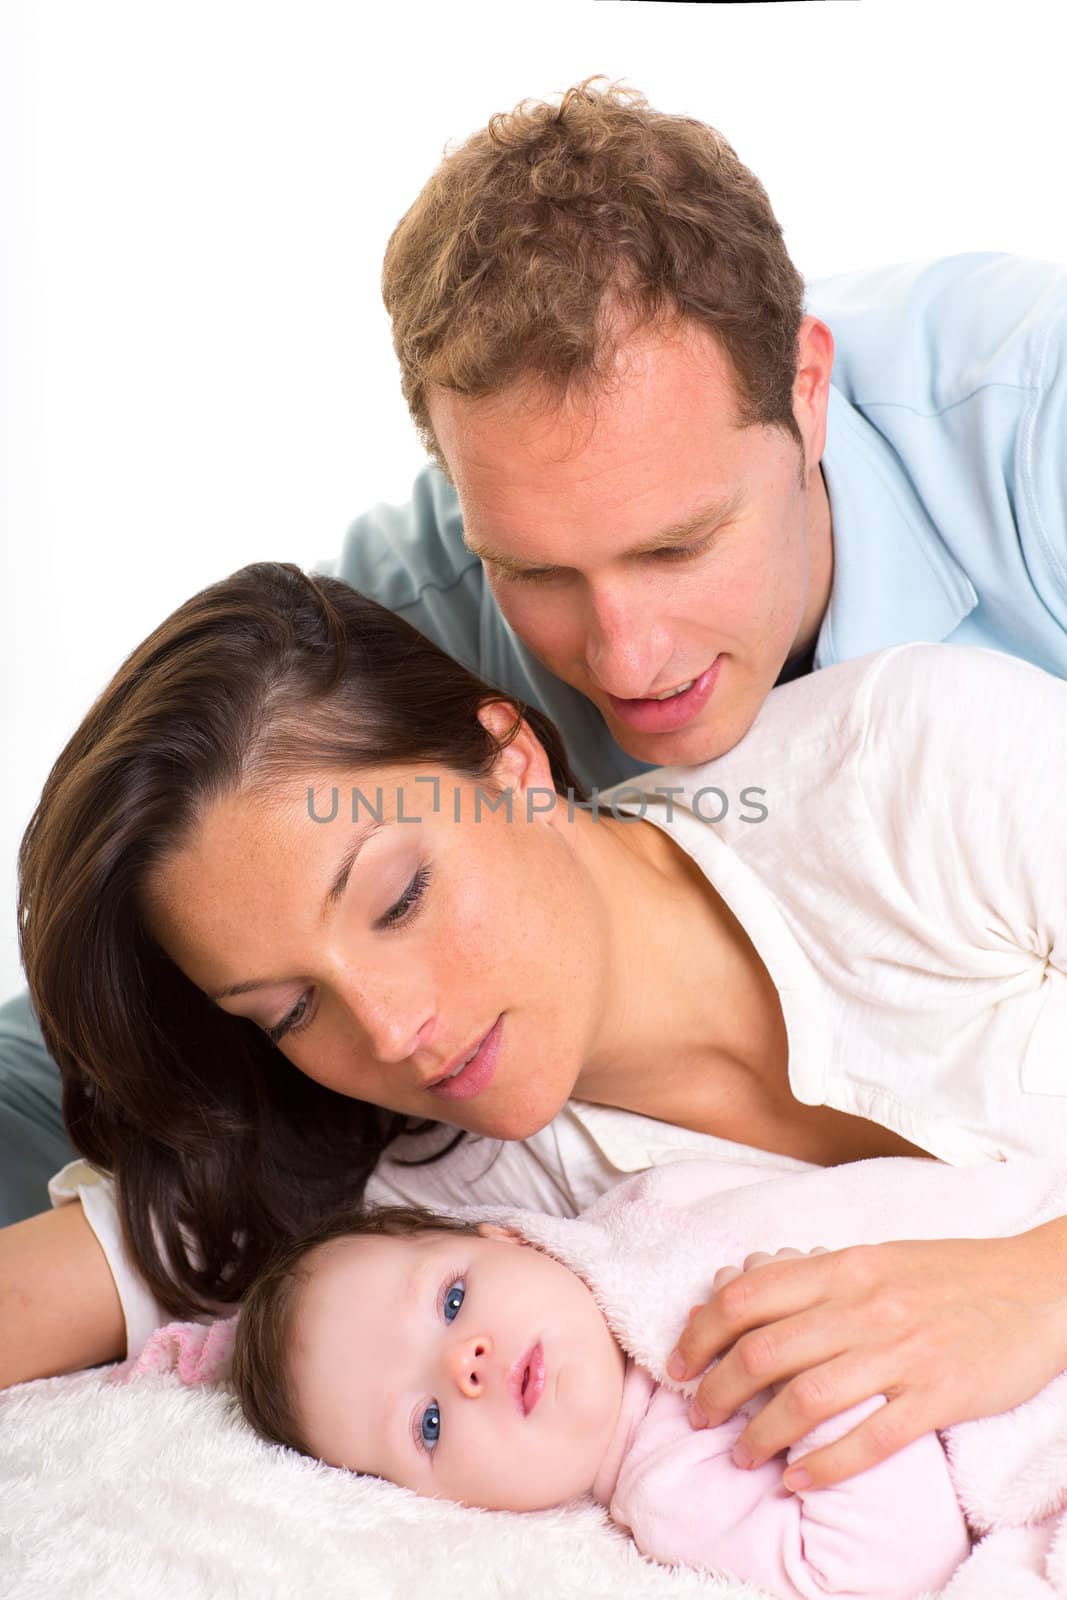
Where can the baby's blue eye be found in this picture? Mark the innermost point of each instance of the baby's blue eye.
(453, 1300)
(430, 1426)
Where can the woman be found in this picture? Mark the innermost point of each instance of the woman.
(292, 835)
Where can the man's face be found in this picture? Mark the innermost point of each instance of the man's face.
(639, 540)
(467, 1367)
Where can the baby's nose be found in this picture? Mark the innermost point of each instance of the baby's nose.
(468, 1363)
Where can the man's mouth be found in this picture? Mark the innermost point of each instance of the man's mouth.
(669, 709)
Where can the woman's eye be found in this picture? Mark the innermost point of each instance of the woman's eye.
(300, 1016)
(292, 1023)
(408, 901)
(430, 1426)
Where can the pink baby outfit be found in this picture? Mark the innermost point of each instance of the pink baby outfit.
(896, 1530)
(649, 1249)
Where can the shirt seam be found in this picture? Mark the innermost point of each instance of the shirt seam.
(1027, 388)
(438, 588)
(1024, 457)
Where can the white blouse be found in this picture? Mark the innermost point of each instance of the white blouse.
(892, 836)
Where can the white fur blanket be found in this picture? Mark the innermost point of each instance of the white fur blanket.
(156, 1487)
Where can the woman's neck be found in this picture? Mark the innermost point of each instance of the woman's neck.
(687, 996)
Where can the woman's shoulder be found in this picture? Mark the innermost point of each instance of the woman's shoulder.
(886, 703)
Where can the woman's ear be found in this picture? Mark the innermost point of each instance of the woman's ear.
(522, 764)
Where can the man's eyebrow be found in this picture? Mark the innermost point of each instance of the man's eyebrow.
(704, 516)
(333, 894)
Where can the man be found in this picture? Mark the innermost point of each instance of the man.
(646, 484)
(650, 503)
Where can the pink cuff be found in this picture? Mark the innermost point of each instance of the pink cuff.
(198, 1352)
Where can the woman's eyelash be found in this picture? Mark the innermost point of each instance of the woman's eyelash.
(452, 1282)
(408, 900)
(403, 909)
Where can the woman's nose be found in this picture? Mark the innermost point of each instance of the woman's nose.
(396, 1033)
(467, 1363)
(395, 1019)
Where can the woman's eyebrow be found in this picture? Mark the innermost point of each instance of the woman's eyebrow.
(333, 894)
(348, 860)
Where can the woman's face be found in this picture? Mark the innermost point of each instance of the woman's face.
(445, 934)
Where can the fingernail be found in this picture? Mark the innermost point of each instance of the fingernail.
(676, 1366)
(797, 1478)
(697, 1419)
(742, 1456)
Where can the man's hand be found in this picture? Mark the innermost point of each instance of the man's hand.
(946, 1329)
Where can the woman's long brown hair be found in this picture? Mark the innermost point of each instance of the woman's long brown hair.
(221, 1150)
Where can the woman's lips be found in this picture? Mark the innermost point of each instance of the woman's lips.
(528, 1379)
(667, 716)
(479, 1072)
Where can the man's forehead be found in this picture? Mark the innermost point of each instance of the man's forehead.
(543, 409)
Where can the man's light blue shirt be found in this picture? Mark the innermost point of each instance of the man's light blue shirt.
(945, 466)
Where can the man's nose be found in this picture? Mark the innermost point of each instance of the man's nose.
(625, 646)
(467, 1363)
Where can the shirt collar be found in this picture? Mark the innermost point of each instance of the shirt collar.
(894, 580)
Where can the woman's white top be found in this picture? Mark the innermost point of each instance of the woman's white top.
(892, 836)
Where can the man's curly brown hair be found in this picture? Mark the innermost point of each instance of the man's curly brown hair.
(531, 237)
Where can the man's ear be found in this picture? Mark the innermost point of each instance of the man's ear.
(811, 386)
(490, 1230)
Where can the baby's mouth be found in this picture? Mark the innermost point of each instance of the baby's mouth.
(528, 1378)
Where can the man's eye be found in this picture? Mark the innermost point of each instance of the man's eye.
(531, 575)
(681, 552)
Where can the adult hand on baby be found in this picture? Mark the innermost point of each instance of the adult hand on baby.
(946, 1329)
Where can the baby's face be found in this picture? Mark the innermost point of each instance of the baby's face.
(466, 1367)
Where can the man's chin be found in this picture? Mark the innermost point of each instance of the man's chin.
(706, 740)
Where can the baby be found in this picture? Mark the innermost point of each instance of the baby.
(464, 1362)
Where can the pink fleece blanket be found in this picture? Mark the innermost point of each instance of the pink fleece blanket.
(650, 1248)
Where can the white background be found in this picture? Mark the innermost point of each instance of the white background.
(195, 368)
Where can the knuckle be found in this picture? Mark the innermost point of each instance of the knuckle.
(756, 1353)
(862, 1264)
(885, 1431)
(734, 1299)
(891, 1308)
(810, 1396)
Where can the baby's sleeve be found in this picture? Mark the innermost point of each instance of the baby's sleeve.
(143, 1314)
(894, 1531)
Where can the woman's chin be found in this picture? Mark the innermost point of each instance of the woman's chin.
(520, 1119)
